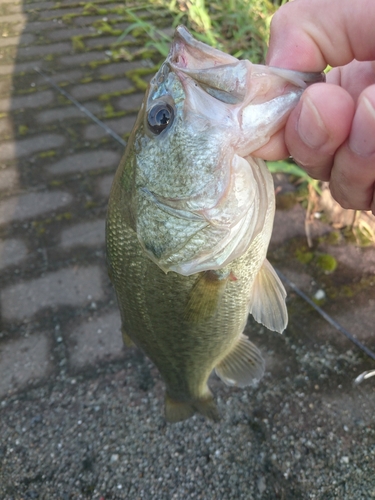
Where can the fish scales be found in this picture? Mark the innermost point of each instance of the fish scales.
(190, 218)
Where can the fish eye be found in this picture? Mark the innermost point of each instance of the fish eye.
(160, 116)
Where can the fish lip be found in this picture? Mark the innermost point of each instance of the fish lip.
(187, 51)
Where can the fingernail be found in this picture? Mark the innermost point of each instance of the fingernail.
(362, 136)
(310, 126)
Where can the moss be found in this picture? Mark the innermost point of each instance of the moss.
(95, 64)
(47, 154)
(90, 9)
(135, 75)
(30, 90)
(64, 216)
(109, 112)
(56, 183)
(326, 262)
(122, 53)
(23, 129)
(48, 57)
(304, 256)
(331, 238)
(87, 79)
(3, 115)
(116, 93)
(90, 204)
(40, 226)
(78, 44)
(348, 291)
(104, 27)
(106, 77)
(68, 18)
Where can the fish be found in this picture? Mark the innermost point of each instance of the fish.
(190, 217)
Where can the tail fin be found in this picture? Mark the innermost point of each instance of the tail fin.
(176, 411)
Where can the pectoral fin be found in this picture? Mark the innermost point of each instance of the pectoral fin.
(205, 296)
(243, 365)
(267, 301)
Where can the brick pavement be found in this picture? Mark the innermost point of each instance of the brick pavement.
(55, 175)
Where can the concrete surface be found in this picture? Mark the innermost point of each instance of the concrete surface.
(81, 416)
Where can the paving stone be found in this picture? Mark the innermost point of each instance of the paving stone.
(82, 59)
(100, 41)
(291, 223)
(89, 160)
(105, 184)
(9, 178)
(118, 68)
(40, 26)
(74, 287)
(21, 7)
(24, 147)
(96, 341)
(24, 67)
(55, 13)
(118, 125)
(89, 90)
(360, 259)
(13, 18)
(288, 224)
(90, 20)
(12, 252)
(43, 50)
(29, 205)
(71, 76)
(31, 7)
(33, 100)
(67, 112)
(130, 102)
(90, 234)
(24, 361)
(16, 40)
(6, 127)
(67, 33)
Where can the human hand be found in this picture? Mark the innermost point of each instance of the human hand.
(331, 132)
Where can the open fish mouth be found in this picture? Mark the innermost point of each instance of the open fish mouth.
(210, 66)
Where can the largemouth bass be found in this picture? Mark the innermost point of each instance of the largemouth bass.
(190, 218)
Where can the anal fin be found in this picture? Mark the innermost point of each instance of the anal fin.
(267, 300)
(243, 365)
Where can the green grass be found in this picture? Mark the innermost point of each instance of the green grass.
(238, 27)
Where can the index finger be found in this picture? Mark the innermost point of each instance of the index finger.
(306, 35)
